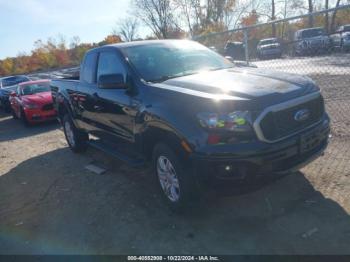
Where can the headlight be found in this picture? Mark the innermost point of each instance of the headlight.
(238, 121)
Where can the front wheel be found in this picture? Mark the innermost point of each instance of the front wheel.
(77, 140)
(24, 118)
(177, 184)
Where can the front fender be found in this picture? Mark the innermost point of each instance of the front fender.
(179, 124)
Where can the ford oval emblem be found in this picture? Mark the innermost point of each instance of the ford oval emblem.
(302, 115)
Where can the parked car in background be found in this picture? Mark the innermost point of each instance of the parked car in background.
(311, 41)
(32, 102)
(269, 48)
(191, 113)
(7, 86)
(235, 50)
(341, 38)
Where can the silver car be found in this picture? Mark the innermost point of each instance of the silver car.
(341, 38)
(311, 41)
(269, 47)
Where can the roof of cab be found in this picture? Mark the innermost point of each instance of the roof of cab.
(145, 42)
(137, 43)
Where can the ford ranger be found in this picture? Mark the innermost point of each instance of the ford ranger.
(190, 113)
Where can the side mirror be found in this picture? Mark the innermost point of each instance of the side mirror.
(13, 94)
(115, 81)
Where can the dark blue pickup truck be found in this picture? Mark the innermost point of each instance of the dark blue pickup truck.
(191, 113)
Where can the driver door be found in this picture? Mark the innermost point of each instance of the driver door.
(114, 104)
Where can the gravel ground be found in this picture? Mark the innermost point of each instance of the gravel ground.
(50, 204)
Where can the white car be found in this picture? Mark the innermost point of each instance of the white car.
(269, 47)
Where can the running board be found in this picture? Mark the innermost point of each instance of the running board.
(110, 150)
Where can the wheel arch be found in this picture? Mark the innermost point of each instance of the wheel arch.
(158, 132)
(63, 108)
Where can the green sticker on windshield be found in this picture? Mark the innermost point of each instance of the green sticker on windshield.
(221, 123)
(240, 121)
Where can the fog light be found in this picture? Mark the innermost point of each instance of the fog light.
(228, 168)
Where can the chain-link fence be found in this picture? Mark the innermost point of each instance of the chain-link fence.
(316, 45)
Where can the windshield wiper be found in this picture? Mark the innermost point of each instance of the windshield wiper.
(220, 68)
(163, 78)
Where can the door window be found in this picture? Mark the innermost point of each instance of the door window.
(109, 64)
(89, 68)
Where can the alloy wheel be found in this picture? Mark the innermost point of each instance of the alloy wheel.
(168, 179)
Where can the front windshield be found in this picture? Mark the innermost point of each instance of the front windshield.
(161, 61)
(35, 88)
(313, 33)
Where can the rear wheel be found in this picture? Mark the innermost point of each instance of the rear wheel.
(177, 184)
(77, 140)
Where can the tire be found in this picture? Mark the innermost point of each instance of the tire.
(168, 166)
(23, 118)
(76, 139)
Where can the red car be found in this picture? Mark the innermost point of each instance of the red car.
(32, 102)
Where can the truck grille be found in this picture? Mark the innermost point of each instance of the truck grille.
(47, 107)
(276, 125)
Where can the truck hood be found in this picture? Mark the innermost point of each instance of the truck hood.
(241, 84)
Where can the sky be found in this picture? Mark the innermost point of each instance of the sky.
(22, 22)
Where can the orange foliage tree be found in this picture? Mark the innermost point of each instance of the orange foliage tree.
(50, 54)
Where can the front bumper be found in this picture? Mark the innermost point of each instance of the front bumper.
(270, 52)
(38, 115)
(240, 161)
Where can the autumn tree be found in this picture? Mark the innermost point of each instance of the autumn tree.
(250, 19)
(334, 16)
(53, 53)
(310, 10)
(326, 17)
(190, 12)
(127, 28)
(157, 15)
(110, 39)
